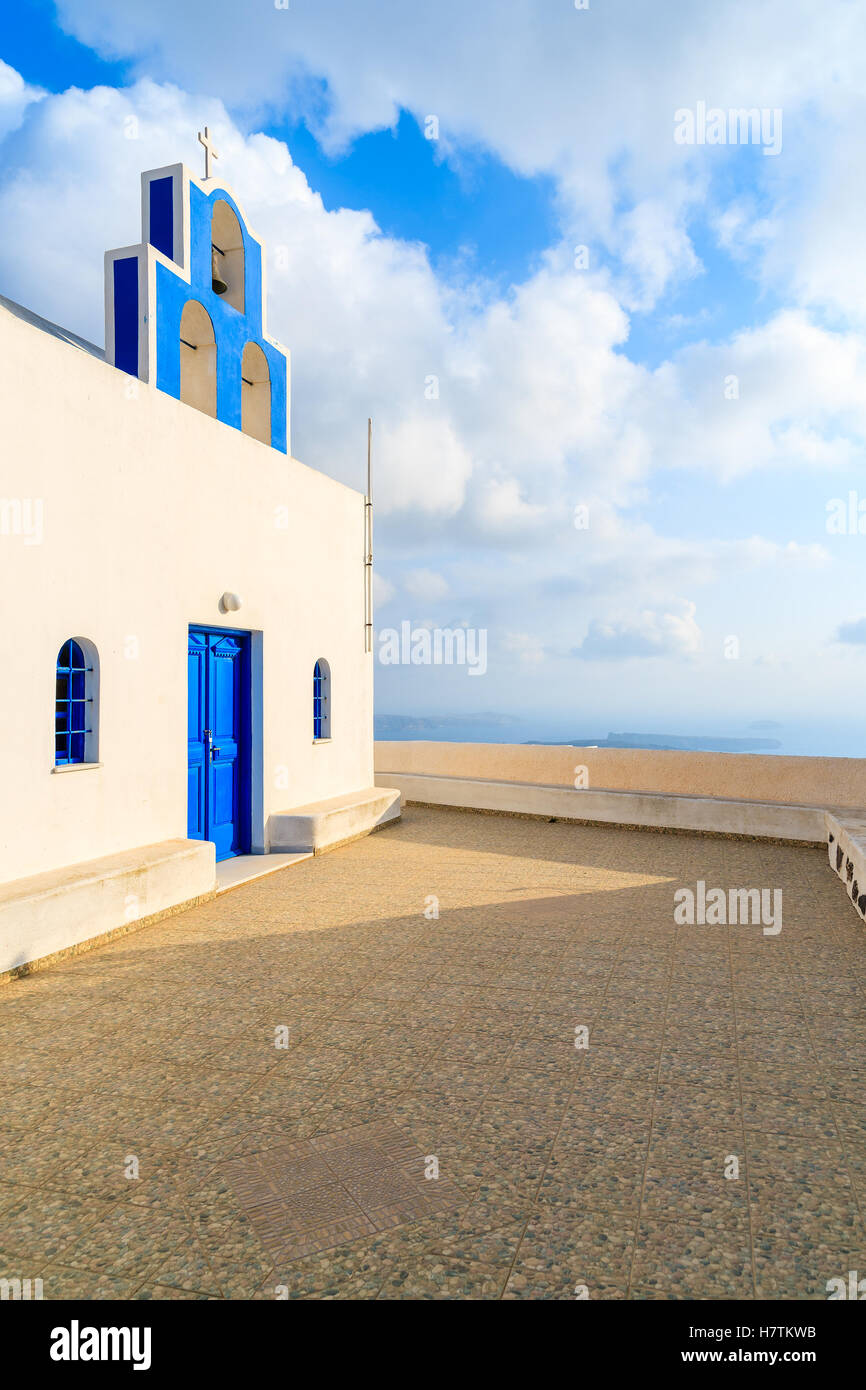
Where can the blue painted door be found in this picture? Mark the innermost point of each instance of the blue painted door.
(216, 741)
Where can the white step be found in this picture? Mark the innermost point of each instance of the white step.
(321, 825)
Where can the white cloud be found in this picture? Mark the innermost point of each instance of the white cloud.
(383, 590)
(783, 394)
(499, 507)
(15, 97)
(656, 249)
(647, 635)
(426, 585)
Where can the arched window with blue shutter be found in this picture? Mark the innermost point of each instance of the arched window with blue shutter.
(75, 711)
(321, 700)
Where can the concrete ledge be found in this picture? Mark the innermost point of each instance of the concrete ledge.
(56, 912)
(644, 810)
(846, 850)
(323, 825)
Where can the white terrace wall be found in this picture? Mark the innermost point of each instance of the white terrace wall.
(839, 782)
(151, 512)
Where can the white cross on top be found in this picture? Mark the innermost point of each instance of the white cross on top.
(209, 151)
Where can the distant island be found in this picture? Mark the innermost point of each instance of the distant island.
(668, 743)
(493, 727)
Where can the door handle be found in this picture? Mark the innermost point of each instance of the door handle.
(213, 751)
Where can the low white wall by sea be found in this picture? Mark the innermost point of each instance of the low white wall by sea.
(722, 793)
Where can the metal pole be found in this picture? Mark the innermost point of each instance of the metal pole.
(368, 545)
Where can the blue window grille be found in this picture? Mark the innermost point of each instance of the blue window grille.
(71, 705)
(318, 700)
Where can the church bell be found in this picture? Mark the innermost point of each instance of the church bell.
(218, 284)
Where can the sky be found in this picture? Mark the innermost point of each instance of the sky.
(613, 351)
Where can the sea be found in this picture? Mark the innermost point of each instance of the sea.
(842, 739)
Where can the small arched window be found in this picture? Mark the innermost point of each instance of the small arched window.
(75, 703)
(255, 394)
(227, 255)
(198, 382)
(321, 700)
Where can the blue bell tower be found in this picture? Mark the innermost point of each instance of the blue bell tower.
(185, 308)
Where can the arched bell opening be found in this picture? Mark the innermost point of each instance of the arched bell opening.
(198, 378)
(255, 394)
(227, 255)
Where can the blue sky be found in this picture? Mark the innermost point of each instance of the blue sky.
(401, 260)
(36, 46)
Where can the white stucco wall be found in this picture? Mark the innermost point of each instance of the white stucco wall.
(151, 512)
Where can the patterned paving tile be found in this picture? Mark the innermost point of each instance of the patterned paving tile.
(310, 1196)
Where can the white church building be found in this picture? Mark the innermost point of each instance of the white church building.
(188, 665)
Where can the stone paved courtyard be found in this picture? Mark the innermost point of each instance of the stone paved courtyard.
(417, 1043)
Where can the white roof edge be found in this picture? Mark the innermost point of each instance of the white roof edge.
(55, 329)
